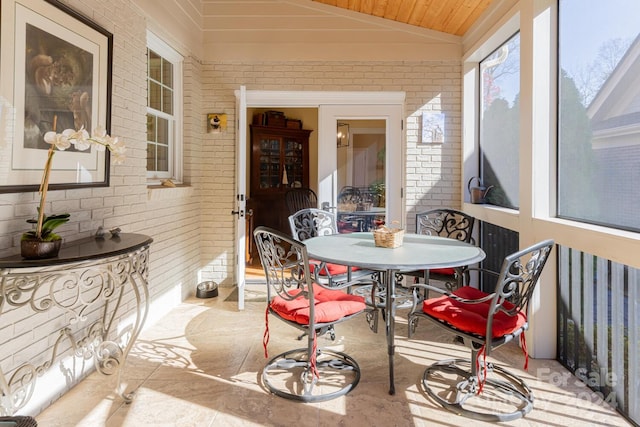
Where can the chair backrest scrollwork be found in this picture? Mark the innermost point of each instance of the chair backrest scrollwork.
(517, 281)
(286, 264)
(312, 222)
(446, 223)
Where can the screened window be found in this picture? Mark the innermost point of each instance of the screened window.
(164, 70)
(500, 123)
(599, 112)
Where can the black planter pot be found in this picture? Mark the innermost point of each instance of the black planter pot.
(36, 249)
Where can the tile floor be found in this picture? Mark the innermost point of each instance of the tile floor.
(200, 366)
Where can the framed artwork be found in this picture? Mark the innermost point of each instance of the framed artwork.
(432, 128)
(56, 75)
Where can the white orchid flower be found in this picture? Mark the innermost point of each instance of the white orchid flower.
(80, 138)
(99, 132)
(81, 141)
(117, 146)
(59, 140)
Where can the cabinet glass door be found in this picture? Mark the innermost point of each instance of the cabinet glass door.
(293, 162)
(269, 163)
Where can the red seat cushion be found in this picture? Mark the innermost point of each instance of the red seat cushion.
(334, 269)
(441, 271)
(330, 305)
(347, 227)
(472, 317)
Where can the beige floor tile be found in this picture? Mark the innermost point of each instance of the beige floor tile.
(201, 366)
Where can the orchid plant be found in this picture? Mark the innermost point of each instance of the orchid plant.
(82, 141)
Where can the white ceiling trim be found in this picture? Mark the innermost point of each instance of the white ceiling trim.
(268, 98)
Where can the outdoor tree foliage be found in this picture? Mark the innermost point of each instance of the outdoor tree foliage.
(576, 169)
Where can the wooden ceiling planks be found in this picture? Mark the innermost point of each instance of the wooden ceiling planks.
(448, 16)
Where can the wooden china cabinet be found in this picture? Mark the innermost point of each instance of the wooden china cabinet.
(279, 162)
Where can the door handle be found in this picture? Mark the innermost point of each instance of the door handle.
(240, 213)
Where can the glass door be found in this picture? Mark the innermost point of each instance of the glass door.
(361, 170)
(270, 167)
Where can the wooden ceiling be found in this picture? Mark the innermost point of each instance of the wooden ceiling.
(448, 16)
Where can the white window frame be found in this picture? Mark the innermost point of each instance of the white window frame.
(175, 172)
(536, 219)
(495, 37)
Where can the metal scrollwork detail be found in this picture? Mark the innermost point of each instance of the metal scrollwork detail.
(17, 392)
(372, 319)
(89, 298)
(109, 357)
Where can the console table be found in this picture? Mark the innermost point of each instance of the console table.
(84, 296)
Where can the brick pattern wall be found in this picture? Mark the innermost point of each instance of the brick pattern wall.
(432, 170)
(192, 227)
(171, 217)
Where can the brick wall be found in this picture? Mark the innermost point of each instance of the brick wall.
(192, 228)
(172, 217)
(432, 170)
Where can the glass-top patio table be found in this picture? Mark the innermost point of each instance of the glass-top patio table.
(418, 252)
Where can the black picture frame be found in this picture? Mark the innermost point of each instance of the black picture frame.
(61, 67)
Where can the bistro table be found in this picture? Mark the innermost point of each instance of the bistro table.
(418, 252)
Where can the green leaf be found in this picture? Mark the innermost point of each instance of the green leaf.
(50, 223)
(59, 216)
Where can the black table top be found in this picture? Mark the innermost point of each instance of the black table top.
(85, 249)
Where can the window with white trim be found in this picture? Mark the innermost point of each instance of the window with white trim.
(500, 124)
(164, 111)
(599, 113)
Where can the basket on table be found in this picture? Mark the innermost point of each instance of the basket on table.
(386, 237)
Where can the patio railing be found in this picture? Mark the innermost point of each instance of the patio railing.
(599, 327)
(497, 242)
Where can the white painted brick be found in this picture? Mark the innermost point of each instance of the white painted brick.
(189, 229)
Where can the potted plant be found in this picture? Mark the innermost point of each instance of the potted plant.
(43, 242)
(378, 190)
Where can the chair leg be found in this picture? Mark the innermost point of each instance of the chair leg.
(290, 375)
(330, 330)
(454, 385)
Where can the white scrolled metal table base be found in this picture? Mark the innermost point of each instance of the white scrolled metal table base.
(90, 290)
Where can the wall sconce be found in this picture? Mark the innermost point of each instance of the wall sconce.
(216, 122)
(343, 134)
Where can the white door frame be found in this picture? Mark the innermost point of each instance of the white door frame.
(331, 106)
(392, 114)
(241, 192)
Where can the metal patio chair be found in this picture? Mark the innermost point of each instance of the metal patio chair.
(307, 223)
(312, 222)
(444, 223)
(300, 198)
(308, 374)
(483, 322)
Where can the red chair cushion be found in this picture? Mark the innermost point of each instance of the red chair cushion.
(472, 317)
(442, 271)
(348, 227)
(330, 305)
(334, 269)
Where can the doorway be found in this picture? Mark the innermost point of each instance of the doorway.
(385, 106)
